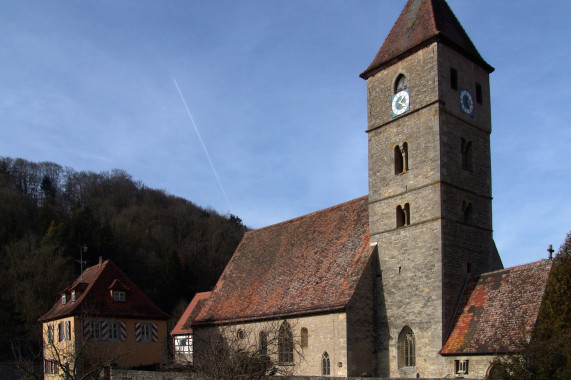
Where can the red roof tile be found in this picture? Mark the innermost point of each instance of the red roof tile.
(183, 326)
(421, 23)
(306, 265)
(94, 289)
(498, 310)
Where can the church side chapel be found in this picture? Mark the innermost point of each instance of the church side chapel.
(405, 282)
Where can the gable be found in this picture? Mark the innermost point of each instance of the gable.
(310, 264)
(498, 310)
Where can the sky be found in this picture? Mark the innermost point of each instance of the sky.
(256, 108)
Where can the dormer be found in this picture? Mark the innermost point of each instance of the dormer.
(118, 291)
(77, 290)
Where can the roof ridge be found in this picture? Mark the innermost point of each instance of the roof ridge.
(313, 213)
(514, 267)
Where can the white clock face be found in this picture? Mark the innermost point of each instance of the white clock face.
(400, 103)
(466, 102)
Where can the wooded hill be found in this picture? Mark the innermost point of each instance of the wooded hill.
(168, 246)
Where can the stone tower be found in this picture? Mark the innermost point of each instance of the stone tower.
(430, 198)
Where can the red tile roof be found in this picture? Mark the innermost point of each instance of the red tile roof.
(421, 23)
(498, 310)
(183, 326)
(306, 265)
(95, 298)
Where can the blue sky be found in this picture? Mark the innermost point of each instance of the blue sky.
(273, 89)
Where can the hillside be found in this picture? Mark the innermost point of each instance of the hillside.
(50, 216)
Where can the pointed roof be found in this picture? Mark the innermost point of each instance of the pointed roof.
(421, 23)
(307, 265)
(498, 310)
(93, 291)
(183, 326)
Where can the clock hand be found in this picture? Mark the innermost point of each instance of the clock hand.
(401, 100)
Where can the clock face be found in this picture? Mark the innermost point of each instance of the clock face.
(466, 102)
(401, 102)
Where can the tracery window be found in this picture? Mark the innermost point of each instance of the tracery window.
(263, 343)
(407, 354)
(325, 364)
(285, 344)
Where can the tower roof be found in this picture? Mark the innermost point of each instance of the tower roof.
(420, 23)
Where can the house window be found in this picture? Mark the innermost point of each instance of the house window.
(115, 331)
(406, 348)
(50, 334)
(64, 331)
(118, 296)
(453, 78)
(73, 298)
(95, 327)
(401, 158)
(461, 367)
(401, 83)
(63, 299)
(183, 344)
(285, 344)
(51, 367)
(467, 155)
(146, 332)
(304, 337)
(263, 343)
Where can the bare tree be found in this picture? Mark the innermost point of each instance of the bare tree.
(248, 352)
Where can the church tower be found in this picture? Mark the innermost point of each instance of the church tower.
(430, 194)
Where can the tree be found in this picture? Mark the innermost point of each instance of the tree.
(547, 356)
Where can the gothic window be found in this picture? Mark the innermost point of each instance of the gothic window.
(403, 215)
(401, 83)
(401, 158)
(325, 364)
(263, 343)
(406, 348)
(285, 344)
(304, 337)
(467, 155)
(453, 78)
(467, 211)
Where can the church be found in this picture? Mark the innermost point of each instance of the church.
(406, 281)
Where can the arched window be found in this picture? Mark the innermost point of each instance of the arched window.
(304, 337)
(406, 348)
(467, 155)
(263, 343)
(401, 83)
(467, 211)
(285, 344)
(325, 364)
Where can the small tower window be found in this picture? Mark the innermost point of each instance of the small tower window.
(479, 93)
(401, 83)
(240, 334)
(466, 211)
(467, 155)
(403, 215)
(325, 364)
(401, 158)
(453, 78)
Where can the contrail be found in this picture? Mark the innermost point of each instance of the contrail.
(203, 146)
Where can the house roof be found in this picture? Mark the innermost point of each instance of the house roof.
(307, 265)
(498, 310)
(183, 326)
(421, 23)
(94, 297)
